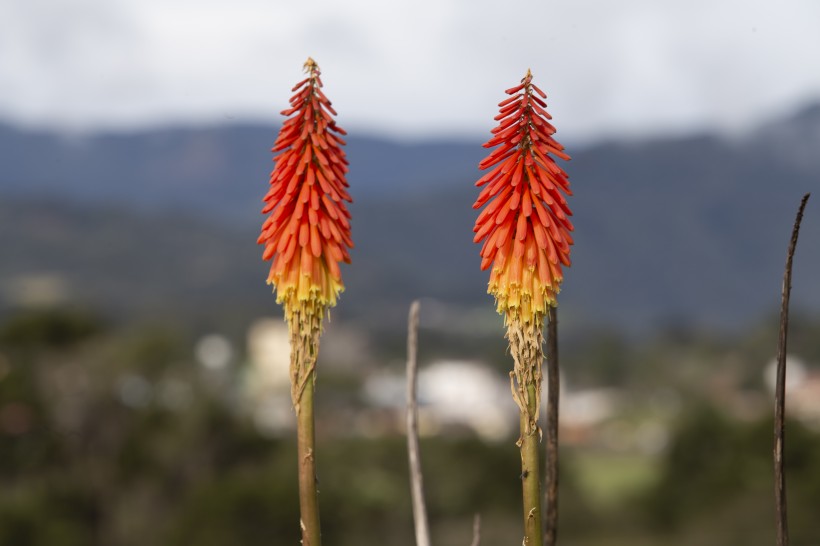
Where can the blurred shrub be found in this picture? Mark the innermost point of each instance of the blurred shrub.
(718, 474)
(85, 462)
(48, 516)
(49, 328)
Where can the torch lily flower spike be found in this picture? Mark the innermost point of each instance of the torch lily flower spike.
(307, 232)
(306, 235)
(525, 225)
(525, 229)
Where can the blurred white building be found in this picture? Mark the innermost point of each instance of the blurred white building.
(451, 393)
(472, 395)
(802, 389)
(266, 383)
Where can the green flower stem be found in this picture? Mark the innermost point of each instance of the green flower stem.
(530, 475)
(525, 380)
(306, 441)
(305, 325)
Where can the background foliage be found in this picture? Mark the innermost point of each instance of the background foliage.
(111, 434)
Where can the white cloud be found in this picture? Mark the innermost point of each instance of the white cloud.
(408, 67)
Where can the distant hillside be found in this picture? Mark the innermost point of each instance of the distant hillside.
(221, 171)
(677, 229)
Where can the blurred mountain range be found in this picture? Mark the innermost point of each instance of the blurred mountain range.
(669, 230)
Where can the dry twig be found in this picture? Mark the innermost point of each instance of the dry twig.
(416, 481)
(476, 530)
(780, 389)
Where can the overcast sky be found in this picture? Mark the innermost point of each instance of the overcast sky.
(409, 68)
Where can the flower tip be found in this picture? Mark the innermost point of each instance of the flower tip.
(310, 65)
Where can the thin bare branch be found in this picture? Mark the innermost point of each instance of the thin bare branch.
(416, 480)
(780, 389)
(553, 394)
(476, 530)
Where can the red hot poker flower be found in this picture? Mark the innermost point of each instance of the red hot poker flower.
(525, 225)
(307, 232)
(525, 230)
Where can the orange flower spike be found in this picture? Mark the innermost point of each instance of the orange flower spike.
(307, 216)
(525, 209)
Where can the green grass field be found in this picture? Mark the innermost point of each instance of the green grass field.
(607, 478)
